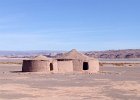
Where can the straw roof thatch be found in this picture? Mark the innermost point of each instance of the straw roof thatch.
(74, 54)
(41, 57)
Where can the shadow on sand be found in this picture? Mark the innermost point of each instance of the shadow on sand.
(16, 72)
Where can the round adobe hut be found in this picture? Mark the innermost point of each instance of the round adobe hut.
(81, 62)
(39, 64)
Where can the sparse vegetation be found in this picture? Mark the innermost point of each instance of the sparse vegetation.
(11, 63)
(117, 64)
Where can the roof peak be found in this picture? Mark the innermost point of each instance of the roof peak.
(74, 54)
(41, 57)
(73, 50)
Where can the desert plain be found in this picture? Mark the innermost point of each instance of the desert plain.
(116, 80)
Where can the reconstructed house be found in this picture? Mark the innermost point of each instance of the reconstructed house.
(70, 62)
(40, 64)
(81, 62)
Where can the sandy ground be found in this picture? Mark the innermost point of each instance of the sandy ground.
(112, 83)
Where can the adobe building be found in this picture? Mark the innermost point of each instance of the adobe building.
(40, 64)
(70, 62)
(81, 62)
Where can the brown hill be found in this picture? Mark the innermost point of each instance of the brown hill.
(115, 54)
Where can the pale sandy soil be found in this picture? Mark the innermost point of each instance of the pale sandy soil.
(112, 83)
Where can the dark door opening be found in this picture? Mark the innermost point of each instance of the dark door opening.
(51, 66)
(85, 66)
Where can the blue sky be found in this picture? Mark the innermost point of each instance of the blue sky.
(67, 24)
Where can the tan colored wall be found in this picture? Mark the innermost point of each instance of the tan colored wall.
(39, 66)
(34, 66)
(59, 66)
(65, 66)
(93, 66)
(77, 65)
(48, 66)
(55, 68)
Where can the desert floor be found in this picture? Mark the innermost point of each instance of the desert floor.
(112, 83)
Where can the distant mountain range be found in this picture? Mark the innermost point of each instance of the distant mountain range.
(110, 54)
(29, 53)
(115, 54)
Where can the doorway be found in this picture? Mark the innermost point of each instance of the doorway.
(51, 66)
(85, 66)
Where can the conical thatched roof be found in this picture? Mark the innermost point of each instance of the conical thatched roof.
(40, 57)
(74, 54)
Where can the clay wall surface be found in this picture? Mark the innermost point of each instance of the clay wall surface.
(55, 67)
(77, 65)
(34, 66)
(93, 66)
(65, 66)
